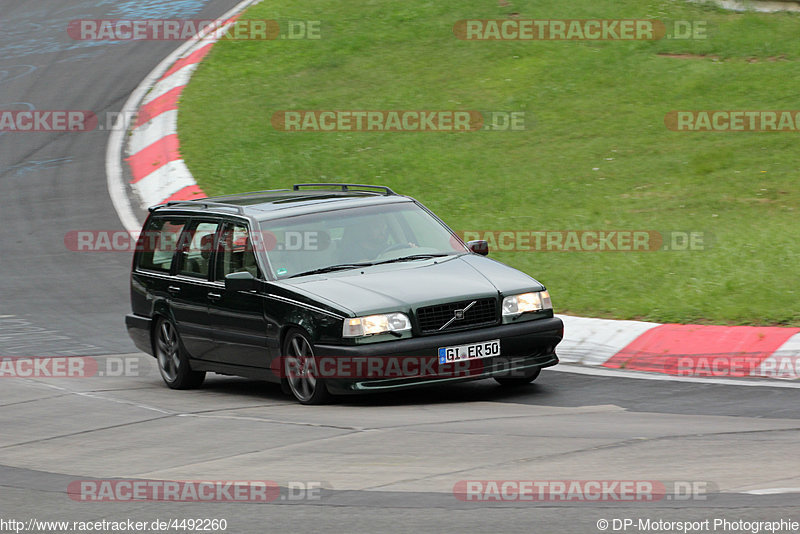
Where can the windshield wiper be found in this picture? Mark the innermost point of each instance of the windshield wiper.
(344, 266)
(412, 258)
(331, 268)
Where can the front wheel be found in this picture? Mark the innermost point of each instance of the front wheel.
(300, 368)
(173, 364)
(526, 378)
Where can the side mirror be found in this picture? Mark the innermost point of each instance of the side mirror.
(242, 281)
(478, 247)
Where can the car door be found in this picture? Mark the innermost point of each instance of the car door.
(191, 284)
(153, 262)
(237, 318)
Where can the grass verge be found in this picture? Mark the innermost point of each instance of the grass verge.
(594, 155)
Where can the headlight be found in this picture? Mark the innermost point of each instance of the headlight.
(526, 302)
(375, 324)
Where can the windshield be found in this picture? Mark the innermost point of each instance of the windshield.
(353, 237)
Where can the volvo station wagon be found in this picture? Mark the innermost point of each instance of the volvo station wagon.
(331, 289)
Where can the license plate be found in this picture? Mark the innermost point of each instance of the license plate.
(472, 351)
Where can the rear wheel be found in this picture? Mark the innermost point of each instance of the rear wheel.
(300, 370)
(521, 380)
(173, 364)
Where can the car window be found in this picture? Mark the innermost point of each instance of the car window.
(195, 259)
(235, 252)
(418, 229)
(158, 243)
(354, 235)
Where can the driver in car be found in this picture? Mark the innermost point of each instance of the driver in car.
(367, 242)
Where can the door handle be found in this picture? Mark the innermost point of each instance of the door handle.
(214, 296)
(173, 289)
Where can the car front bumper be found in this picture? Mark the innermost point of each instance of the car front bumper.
(524, 347)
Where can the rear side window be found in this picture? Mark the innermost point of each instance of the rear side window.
(158, 243)
(195, 260)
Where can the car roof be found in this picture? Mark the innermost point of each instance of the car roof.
(279, 203)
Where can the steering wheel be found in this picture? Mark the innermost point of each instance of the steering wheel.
(396, 246)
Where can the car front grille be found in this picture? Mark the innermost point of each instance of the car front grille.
(432, 319)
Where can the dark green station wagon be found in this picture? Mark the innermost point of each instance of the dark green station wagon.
(331, 289)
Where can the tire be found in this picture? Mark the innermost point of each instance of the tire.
(173, 363)
(529, 377)
(300, 368)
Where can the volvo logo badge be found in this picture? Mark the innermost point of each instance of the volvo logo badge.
(459, 314)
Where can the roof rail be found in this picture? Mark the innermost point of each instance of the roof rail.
(348, 187)
(249, 194)
(203, 203)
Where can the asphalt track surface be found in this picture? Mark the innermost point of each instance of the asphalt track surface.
(386, 463)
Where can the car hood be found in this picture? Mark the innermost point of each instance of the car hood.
(408, 285)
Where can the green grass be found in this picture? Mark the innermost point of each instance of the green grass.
(589, 105)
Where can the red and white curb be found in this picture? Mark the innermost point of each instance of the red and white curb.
(681, 351)
(159, 173)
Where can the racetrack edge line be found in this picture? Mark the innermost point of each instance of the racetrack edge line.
(117, 188)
